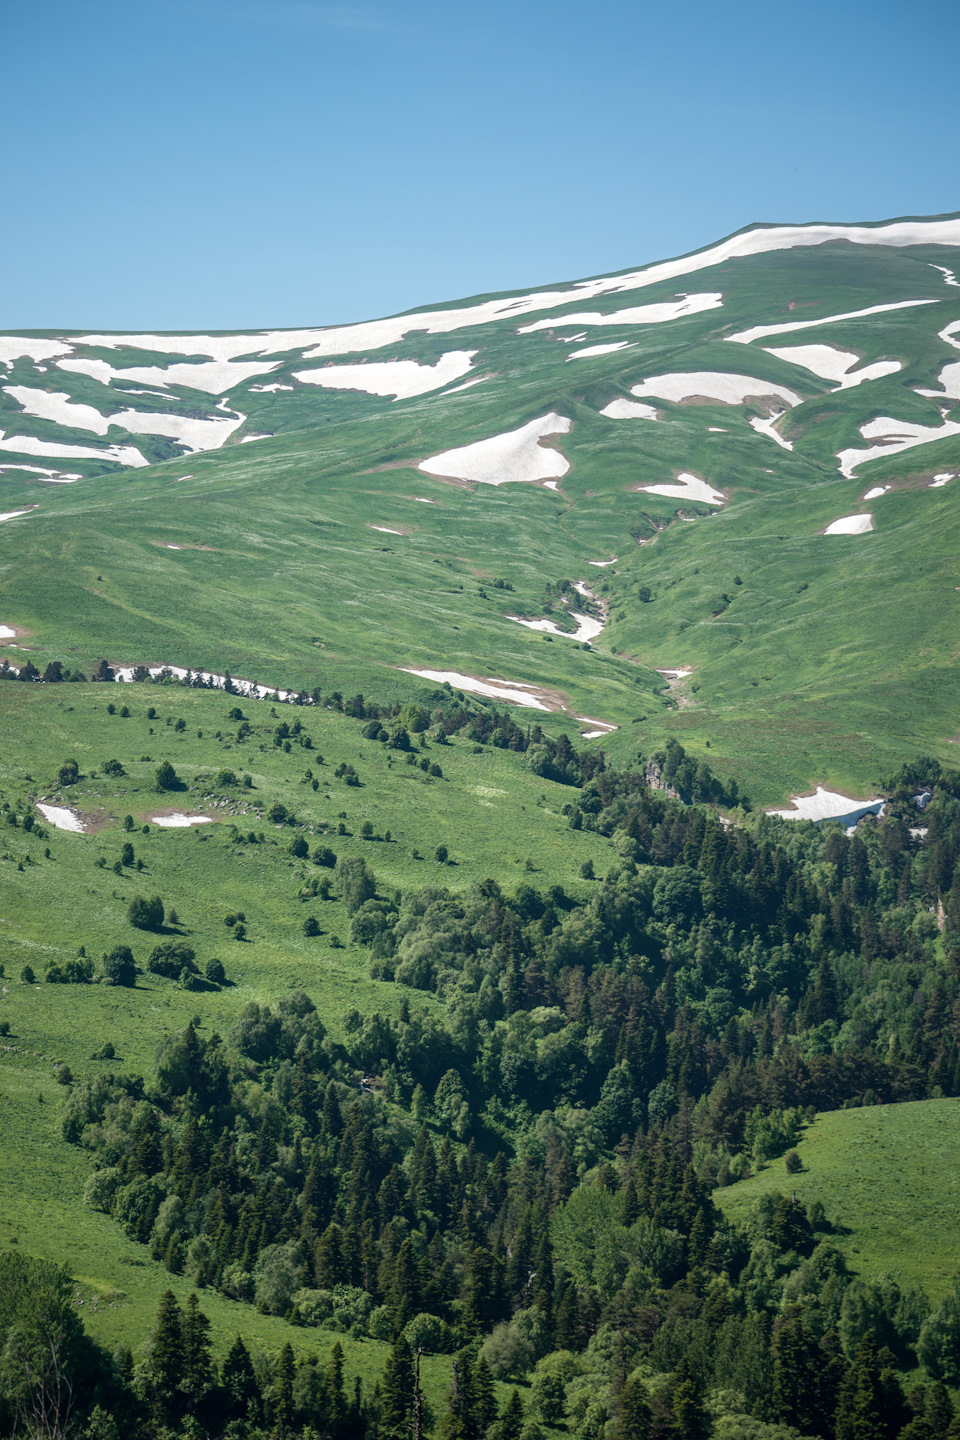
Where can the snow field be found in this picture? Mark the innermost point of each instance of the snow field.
(850, 525)
(400, 378)
(949, 376)
(831, 363)
(516, 455)
(711, 385)
(894, 437)
(629, 410)
(766, 427)
(61, 410)
(828, 805)
(56, 477)
(508, 690)
(636, 315)
(61, 818)
(589, 350)
(687, 487)
(758, 332)
(178, 821)
(30, 445)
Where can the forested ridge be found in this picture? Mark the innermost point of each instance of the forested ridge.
(521, 1172)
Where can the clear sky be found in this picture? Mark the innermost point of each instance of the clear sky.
(233, 163)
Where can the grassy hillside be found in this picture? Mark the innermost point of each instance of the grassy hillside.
(263, 558)
(885, 1177)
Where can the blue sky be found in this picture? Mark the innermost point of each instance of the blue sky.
(233, 163)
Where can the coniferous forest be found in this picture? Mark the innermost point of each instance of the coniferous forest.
(523, 1175)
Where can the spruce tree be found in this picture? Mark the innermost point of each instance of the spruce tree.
(239, 1382)
(281, 1392)
(633, 1416)
(167, 1360)
(396, 1392)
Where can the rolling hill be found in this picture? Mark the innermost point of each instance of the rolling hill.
(744, 458)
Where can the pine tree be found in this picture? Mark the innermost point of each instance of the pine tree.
(238, 1380)
(336, 1395)
(197, 1365)
(633, 1417)
(281, 1392)
(167, 1361)
(510, 1424)
(396, 1392)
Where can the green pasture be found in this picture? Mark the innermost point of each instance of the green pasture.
(887, 1177)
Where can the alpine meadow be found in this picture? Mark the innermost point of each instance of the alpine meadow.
(480, 862)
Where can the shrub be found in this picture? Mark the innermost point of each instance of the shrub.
(225, 777)
(298, 847)
(27, 975)
(166, 777)
(323, 855)
(277, 813)
(215, 972)
(145, 914)
(440, 854)
(311, 926)
(170, 958)
(793, 1162)
(118, 966)
(112, 767)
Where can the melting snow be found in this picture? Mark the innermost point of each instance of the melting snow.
(829, 805)
(711, 386)
(386, 530)
(513, 456)
(832, 364)
(589, 350)
(12, 347)
(767, 427)
(636, 315)
(264, 389)
(400, 378)
(602, 564)
(850, 525)
(677, 674)
(940, 480)
(30, 445)
(13, 514)
(687, 487)
(192, 434)
(177, 821)
(875, 492)
(213, 376)
(948, 276)
(56, 477)
(949, 376)
(6, 633)
(895, 436)
(61, 818)
(629, 410)
(743, 337)
(511, 691)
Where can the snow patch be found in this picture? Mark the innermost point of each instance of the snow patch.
(213, 376)
(629, 410)
(589, 350)
(875, 492)
(6, 633)
(61, 410)
(61, 818)
(767, 427)
(510, 690)
(56, 477)
(386, 529)
(710, 386)
(516, 455)
(894, 436)
(178, 821)
(13, 514)
(266, 389)
(680, 674)
(831, 363)
(602, 564)
(636, 315)
(948, 276)
(949, 376)
(30, 445)
(687, 487)
(400, 378)
(757, 332)
(829, 805)
(939, 481)
(15, 347)
(850, 525)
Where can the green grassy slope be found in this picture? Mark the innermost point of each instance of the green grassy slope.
(886, 1175)
(842, 644)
